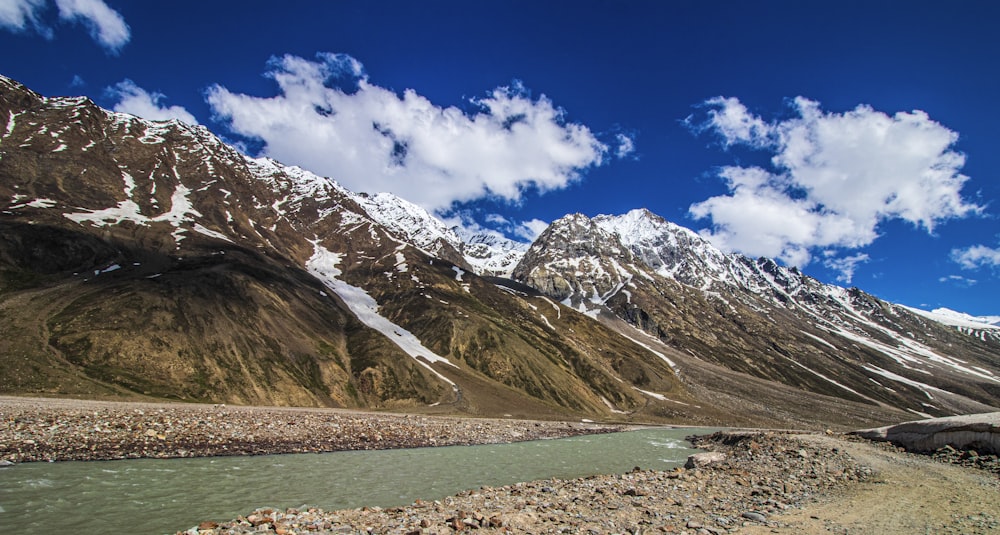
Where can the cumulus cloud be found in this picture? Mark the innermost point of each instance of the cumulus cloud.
(498, 229)
(23, 15)
(329, 118)
(833, 178)
(530, 230)
(106, 25)
(521, 230)
(845, 265)
(137, 101)
(730, 118)
(976, 256)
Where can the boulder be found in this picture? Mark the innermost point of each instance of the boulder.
(701, 460)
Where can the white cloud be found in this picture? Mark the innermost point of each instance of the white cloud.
(976, 256)
(330, 119)
(846, 265)
(20, 15)
(730, 118)
(500, 227)
(835, 177)
(106, 25)
(958, 280)
(626, 145)
(137, 101)
(530, 230)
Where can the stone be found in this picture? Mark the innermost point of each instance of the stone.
(756, 517)
(700, 460)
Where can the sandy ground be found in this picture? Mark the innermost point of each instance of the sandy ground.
(907, 494)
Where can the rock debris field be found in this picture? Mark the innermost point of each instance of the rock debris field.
(33, 429)
(749, 482)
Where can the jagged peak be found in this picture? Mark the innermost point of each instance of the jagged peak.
(572, 218)
(640, 225)
(411, 221)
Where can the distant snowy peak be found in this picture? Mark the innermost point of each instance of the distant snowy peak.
(486, 252)
(958, 319)
(489, 252)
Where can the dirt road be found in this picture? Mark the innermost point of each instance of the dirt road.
(909, 494)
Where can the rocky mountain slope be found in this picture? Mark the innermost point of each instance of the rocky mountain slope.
(761, 319)
(149, 259)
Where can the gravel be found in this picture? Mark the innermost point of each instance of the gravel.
(33, 429)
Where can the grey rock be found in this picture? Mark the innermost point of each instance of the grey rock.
(756, 517)
(701, 460)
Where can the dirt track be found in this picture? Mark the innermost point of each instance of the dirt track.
(908, 494)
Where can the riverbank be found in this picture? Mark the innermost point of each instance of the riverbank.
(767, 483)
(41, 429)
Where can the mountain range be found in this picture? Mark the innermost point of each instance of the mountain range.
(149, 259)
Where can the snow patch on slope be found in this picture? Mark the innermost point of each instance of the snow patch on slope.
(323, 264)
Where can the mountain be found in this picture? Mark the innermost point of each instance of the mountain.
(483, 252)
(489, 252)
(761, 319)
(145, 258)
(148, 259)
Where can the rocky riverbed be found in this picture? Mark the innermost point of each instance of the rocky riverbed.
(33, 429)
(756, 482)
(759, 476)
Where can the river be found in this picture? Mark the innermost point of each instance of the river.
(168, 495)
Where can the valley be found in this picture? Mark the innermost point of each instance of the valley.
(144, 260)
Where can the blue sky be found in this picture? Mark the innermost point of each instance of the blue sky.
(855, 139)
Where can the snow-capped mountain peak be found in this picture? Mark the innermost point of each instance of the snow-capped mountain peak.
(409, 220)
(489, 252)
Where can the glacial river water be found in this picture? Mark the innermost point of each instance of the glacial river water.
(168, 495)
